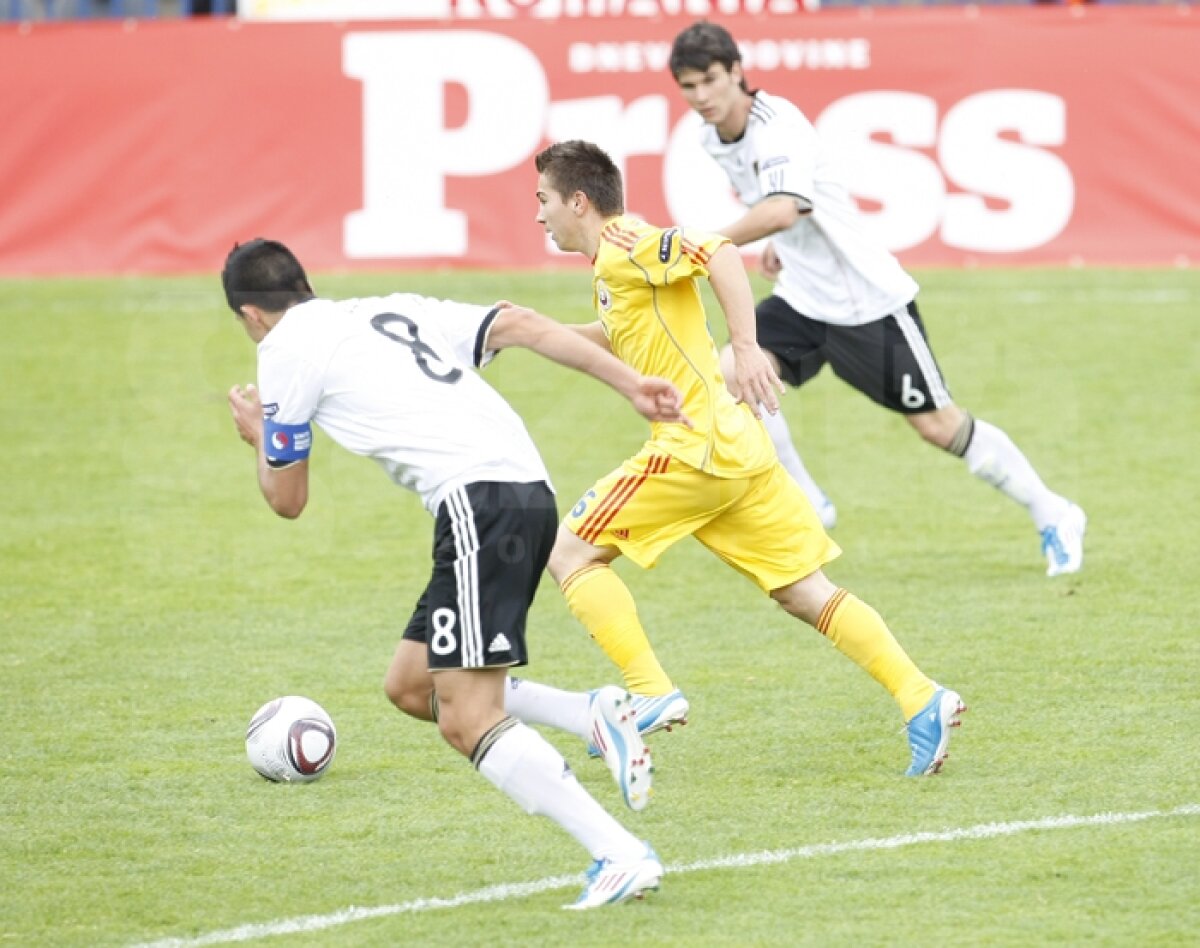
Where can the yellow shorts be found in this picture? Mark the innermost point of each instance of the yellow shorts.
(762, 525)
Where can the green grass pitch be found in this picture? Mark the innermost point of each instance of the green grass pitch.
(150, 602)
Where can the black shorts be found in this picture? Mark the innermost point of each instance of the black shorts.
(490, 546)
(888, 360)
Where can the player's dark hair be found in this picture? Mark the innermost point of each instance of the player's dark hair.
(581, 166)
(264, 273)
(701, 45)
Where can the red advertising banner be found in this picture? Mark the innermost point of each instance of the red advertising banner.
(992, 136)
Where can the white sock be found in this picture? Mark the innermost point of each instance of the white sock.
(789, 457)
(991, 456)
(535, 703)
(522, 764)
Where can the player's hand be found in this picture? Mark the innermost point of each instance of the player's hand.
(658, 400)
(769, 263)
(757, 381)
(246, 408)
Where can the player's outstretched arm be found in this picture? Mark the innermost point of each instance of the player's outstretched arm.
(769, 216)
(593, 332)
(654, 398)
(284, 488)
(756, 379)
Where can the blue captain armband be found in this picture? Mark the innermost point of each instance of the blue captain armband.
(286, 444)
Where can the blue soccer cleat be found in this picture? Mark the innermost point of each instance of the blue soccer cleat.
(615, 737)
(654, 713)
(611, 882)
(929, 732)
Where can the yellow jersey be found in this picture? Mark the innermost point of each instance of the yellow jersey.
(645, 291)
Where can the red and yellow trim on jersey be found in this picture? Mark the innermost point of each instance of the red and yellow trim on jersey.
(695, 252)
(826, 616)
(618, 236)
(618, 497)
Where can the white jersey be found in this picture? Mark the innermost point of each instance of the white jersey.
(392, 378)
(832, 269)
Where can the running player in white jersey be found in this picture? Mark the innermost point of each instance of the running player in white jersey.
(840, 296)
(393, 378)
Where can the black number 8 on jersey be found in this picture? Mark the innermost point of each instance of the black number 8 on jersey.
(421, 351)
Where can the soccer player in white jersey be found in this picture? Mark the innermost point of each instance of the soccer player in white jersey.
(393, 378)
(840, 296)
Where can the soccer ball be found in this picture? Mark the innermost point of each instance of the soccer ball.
(291, 740)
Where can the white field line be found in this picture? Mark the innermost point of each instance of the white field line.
(516, 890)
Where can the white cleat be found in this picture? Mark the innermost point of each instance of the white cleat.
(656, 712)
(614, 734)
(1062, 543)
(612, 882)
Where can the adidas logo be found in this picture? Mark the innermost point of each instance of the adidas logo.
(500, 644)
(621, 534)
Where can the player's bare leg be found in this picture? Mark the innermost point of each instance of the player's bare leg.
(517, 760)
(408, 683)
(410, 687)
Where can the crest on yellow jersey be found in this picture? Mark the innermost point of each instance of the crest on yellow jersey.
(603, 297)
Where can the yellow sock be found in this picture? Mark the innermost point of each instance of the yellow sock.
(599, 599)
(860, 633)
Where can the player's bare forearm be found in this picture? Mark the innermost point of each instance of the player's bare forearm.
(571, 346)
(284, 489)
(655, 399)
(731, 285)
(756, 379)
(771, 215)
(593, 332)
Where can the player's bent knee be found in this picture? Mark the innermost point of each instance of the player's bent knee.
(413, 700)
(568, 555)
(938, 427)
(461, 728)
(452, 733)
(806, 597)
(558, 566)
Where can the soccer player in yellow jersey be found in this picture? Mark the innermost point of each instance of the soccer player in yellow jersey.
(718, 480)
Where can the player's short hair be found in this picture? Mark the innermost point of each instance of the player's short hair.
(264, 273)
(581, 166)
(701, 45)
